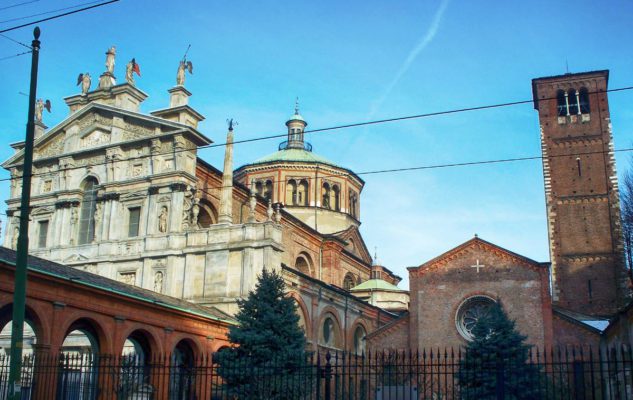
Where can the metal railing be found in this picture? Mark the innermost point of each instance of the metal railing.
(295, 144)
(562, 373)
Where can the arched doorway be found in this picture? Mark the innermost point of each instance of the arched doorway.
(181, 373)
(78, 373)
(134, 380)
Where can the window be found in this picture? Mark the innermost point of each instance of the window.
(291, 192)
(471, 311)
(359, 340)
(325, 194)
(133, 221)
(349, 282)
(562, 103)
(584, 101)
(268, 190)
(335, 202)
(572, 97)
(42, 234)
(329, 333)
(87, 213)
(302, 193)
(353, 204)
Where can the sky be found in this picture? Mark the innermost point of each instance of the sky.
(348, 62)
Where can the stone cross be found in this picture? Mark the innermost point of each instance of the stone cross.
(477, 266)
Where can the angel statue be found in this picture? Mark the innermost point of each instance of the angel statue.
(110, 54)
(84, 80)
(180, 76)
(40, 105)
(130, 69)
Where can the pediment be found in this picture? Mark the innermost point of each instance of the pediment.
(472, 254)
(42, 210)
(95, 136)
(134, 195)
(75, 257)
(355, 243)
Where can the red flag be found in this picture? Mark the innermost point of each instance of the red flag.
(136, 68)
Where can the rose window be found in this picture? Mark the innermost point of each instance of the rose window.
(471, 311)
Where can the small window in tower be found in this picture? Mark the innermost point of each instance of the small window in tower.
(134, 221)
(562, 104)
(573, 101)
(42, 234)
(579, 166)
(584, 101)
(589, 289)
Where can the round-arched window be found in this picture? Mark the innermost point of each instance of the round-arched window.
(329, 333)
(470, 312)
(359, 340)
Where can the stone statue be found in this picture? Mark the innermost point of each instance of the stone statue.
(98, 220)
(158, 282)
(182, 67)
(110, 55)
(162, 219)
(195, 211)
(85, 81)
(14, 239)
(270, 212)
(130, 69)
(40, 105)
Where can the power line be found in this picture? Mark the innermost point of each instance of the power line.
(19, 4)
(49, 12)
(58, 16)
(15, 55)
(330, 129)
(15, 41)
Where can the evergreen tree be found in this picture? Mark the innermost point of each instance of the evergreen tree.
(497, 360)
(268, 360)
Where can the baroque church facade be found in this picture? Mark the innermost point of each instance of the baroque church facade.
(123, 194)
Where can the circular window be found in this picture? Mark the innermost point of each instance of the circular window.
(471, 311)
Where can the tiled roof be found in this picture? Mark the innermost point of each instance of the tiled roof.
(80, 277)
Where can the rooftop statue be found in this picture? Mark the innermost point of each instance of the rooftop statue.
(180, 76)
(130, 69)
(110, 54)
(40, 105)
(85, 81)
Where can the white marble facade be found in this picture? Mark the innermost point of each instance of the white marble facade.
(141, 227)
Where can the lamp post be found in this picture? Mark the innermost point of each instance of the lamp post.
(19, 294)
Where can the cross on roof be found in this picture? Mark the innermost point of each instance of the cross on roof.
(477, 266)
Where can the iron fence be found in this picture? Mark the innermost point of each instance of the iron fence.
(564, 373)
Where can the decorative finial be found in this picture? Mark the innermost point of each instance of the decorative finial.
(270, 212)
(231, 123)
(277, 212)
(297, 105)
(252, 203)
(476, 236)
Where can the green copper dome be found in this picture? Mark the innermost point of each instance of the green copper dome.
(296, 155)
(376, 284)
(296, 117)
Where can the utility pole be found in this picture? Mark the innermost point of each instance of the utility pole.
(19, 294)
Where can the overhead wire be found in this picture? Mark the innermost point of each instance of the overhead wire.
(58, 16)
(330, 129)
(49, 12)
(15, 55)
(18, 4)
(15, 41)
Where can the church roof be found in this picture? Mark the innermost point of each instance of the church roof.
(295, 155)
(77, 276)
(376, 284)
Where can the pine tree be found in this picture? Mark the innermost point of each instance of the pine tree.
(269, 359)
(498, 360)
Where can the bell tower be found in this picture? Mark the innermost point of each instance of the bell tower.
(581, 191)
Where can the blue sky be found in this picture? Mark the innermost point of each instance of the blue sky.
(349, 62)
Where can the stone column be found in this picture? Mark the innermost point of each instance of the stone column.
(226, 196)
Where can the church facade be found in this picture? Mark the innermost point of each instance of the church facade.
(123, 194)
(567, 301)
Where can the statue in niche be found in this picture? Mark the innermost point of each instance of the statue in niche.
(195, 211)
(162, 219)
(158, 282)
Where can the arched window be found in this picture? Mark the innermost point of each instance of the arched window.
(353, 204)
(302, 193)
(259, 188)
(303, 264)
(268, 190)
(330, 332)
(181, 373)
(359, 340)
(78, 372)
(135, 369)
(562, 103)
(88, 209)
(573, 101)
(349, 281)
(208, 214)
(291, 192)
(325, 194)
(335, 201)
(584, 101)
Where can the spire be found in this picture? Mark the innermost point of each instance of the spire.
(297, 105)
(226, 196)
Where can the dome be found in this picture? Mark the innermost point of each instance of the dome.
(295, 155)
(296, 117)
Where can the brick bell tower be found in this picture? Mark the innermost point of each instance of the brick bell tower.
(581, 191)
